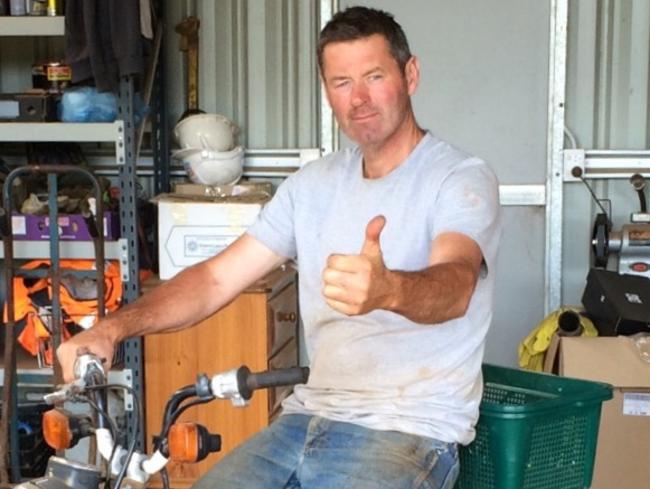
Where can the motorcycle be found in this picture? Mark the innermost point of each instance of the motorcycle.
(126, 467)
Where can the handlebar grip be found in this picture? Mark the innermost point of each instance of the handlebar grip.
(248, 381)
(274, 378)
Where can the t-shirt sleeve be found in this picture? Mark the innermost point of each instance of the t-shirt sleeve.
(468, 203)
(274, 226)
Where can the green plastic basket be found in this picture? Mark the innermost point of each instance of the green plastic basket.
(535, 431)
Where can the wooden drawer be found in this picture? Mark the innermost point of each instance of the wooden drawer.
(282, 319)
(285, 358)
(243, 333)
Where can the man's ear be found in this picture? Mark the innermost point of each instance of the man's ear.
(412, 74)
(324, 85)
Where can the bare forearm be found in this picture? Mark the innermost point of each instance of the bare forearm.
(188, 298)
(434, 295)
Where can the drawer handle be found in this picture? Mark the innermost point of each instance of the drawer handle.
(286, 316)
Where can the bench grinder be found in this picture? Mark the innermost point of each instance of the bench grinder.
(631, 243)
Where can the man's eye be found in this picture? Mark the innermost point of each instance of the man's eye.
(341, 84)
(375, 77)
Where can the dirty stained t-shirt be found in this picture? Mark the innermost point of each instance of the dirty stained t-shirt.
(381, 370)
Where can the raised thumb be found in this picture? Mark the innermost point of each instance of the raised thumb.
(371, 244)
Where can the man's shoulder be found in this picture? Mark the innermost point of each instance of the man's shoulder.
(444, 151)
(331, 163)
(448, 157)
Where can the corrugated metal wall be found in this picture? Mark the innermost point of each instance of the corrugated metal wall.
(17, 54)
(607, 107)
(607, 73)
(257, 66)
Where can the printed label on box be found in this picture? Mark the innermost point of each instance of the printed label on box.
(71, 227)
(19, 225)
(205, 246)
(636, 404)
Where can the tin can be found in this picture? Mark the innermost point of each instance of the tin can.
(36, 7)
(17, 7)
(52, 76)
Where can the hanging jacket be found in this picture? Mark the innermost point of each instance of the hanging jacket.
(102, 41)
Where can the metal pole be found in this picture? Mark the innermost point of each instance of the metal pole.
(555, 146)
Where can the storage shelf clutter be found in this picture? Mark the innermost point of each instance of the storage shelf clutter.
(535, 431)
(121, 226)
(34, 451)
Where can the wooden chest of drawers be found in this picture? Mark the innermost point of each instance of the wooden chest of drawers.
(258, 329)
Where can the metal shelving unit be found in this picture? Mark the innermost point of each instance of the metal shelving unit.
(122, 134)
(30, 26)
(100, 132)
(73, 250)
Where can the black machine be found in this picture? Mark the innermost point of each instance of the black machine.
(619, 304)
(619, 301)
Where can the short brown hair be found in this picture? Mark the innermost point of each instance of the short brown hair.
(359, 22)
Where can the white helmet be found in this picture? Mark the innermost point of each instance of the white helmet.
(206, 131)
(212, 167)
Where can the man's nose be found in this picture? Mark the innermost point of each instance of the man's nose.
(359, 94)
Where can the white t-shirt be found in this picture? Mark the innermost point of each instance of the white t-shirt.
(381, 370)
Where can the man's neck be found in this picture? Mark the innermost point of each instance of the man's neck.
(379, 161)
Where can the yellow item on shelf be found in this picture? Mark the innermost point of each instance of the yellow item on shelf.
(533, 348)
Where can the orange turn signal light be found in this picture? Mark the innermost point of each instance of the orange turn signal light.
(56, 429)
(183, 441)
(191, 442)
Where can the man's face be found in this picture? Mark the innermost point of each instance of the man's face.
(369, 94)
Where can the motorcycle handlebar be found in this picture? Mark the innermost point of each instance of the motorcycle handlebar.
(275, 378)
(248, 381)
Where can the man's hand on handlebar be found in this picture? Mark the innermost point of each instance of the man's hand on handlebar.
(97, 340)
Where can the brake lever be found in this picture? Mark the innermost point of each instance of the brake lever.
(84, 366)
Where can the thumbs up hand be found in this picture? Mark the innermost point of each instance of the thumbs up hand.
(357, 284)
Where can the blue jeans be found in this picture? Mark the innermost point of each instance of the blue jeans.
(310, 452)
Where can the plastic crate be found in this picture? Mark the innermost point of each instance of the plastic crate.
(535, 431)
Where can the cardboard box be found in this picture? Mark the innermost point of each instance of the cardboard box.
(260, 189)
(624, 434)
(72, 227)
(193, 228)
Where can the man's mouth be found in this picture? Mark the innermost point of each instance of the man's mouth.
(363, 116)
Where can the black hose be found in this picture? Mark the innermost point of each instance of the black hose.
(175, 400)
(638, 183)
(96, 378)
(136, 428)
(164, 475)
(642, 201)
(113, 430)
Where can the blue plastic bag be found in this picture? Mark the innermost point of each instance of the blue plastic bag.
(86, 104)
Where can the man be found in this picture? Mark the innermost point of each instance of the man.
(395, 242)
